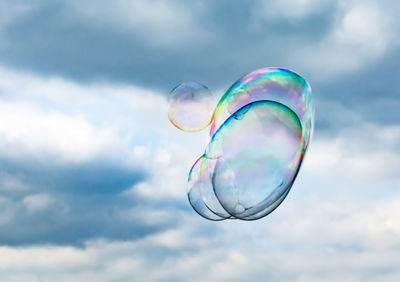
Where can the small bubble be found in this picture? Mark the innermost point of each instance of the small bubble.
(191, 106)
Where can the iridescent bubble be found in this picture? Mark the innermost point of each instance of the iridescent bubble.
(259, 135)
(200, 179)
(257, 158)
(235, 102)
(197, 177)
(191, 106)
(274, 84)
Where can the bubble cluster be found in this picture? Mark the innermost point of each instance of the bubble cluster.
(259, 134)
(190, 106)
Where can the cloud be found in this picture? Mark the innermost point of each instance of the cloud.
(157, 22)
(324, 42)
(37, 202)
(29, 132)
(72, 157)
(353, 42)
(289, 10)
(321, 242)
(366, 152)
(11, 11)
(338, 221)
(93, 175)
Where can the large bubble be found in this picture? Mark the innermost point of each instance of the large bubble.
(259, 134)
(274, 84)
(257, 157)
(191, 106)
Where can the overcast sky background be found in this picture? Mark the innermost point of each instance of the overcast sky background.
(93, 175)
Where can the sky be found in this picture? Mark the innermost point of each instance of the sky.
(93, 174)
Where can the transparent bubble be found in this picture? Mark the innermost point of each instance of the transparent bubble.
(191, 106)
(200, 178)
(257, 158)
(274, 84)
(235, 102)
(196, 179)
(258, 137)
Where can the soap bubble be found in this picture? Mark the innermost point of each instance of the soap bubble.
(201, 191)
(259, 134)
(257, 158)
(274, 84)
(238, 100)
(191, 106)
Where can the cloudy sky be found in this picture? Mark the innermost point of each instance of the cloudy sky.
(93, 175)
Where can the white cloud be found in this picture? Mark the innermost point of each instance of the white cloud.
(69, 122)
(170, 167)
(360, 35)
(366, 153)
(28, 133)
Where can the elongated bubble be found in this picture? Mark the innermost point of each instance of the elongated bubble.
(257, 158)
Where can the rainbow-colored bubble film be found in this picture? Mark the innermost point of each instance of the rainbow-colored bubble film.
(259, 134)
(257, 157)
(191, 106)
(201, 192)
(274, 84)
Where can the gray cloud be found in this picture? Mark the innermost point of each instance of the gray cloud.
(71, 162)
(68, 204)
(86, 42)
(59, 36)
